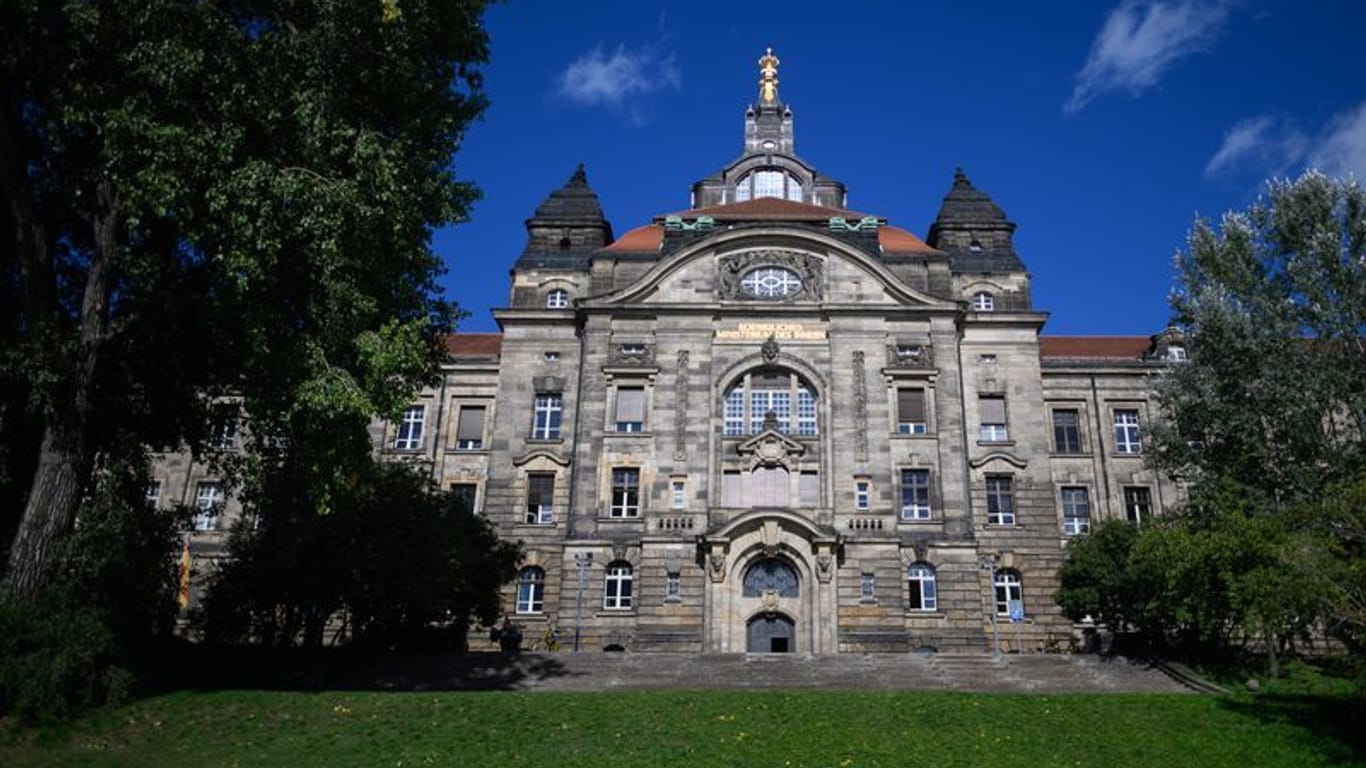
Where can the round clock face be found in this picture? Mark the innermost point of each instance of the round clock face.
(771, 283)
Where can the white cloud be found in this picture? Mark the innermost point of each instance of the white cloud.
(1343, 147)
(618, 81)
(1140, 40)
(1271, 146)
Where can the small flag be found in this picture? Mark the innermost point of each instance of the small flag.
(184, 597)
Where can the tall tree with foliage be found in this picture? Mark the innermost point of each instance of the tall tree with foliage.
(199, 198)
(1265, 423)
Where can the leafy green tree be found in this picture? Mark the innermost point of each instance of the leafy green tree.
(394, 556)
(209, 198)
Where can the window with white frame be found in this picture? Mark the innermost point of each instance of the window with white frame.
(769, 183)
(630, 410)
(992, 410)
(794, 190)
(223, 429)
(540, 498)
(863, 492)
(1127, 437)
(1000, 500)
(208, 505)
(785, 395)
(915, 494)
(469, 431)
(617, 588)
(867, 588)
(1176, 353)
(1008, 588)
(531, 590)
(1138, 503)
(152, 495)
(924, 594)
(910, 411)
(673, 587)
(625, 492)
(1076, 511)
(557, 299)
(1066, 430)
(983, 302)
(678, 498)
(409, 435)
(549, 411)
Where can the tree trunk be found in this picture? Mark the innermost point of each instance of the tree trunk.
(66, 456)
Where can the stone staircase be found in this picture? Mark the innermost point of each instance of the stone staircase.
(911, 671)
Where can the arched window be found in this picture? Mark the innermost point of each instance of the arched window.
(983, 302)
(768, 183)
(531, 590)
(770, 574)
(616, 593)
(1008, 588)
(785, 395)
(557, 299)
(924, 593)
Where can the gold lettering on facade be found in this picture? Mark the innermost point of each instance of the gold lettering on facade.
(762, 331)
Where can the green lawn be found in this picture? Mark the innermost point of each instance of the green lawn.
(700, 728)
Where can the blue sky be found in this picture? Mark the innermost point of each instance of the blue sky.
(1101, 128)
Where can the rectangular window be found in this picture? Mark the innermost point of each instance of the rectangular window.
(678, 498)
(867, 588)
(540, 498)
(463, 494)
(992, 409)
(625, 492)
(1138, 503)
(730, 489)
(469, 432)
(762, 402)
(1000, 500)
(1127, 439)
(673, 587)
(409, 437)
(208, 505)
(915, 494)
(910, 411)
(630, 409)
(806, 413)
(549, 412)
(1076, 511)
(152, 496)
(735, 412)
(863, 493)
(617, 593)
(1066, 430)
(809, 489)
(223, 430)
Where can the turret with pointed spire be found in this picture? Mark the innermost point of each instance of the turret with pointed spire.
(768, 122)
(567, 226)
(974, 230)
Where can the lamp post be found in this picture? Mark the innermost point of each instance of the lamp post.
(989, 565)
(582, 560)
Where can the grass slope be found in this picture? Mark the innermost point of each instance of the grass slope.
(699, 728)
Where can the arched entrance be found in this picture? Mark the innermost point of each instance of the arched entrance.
(771, 633)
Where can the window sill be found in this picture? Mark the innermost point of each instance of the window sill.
(997, 443)
(469, 451)
(620, 519)
(1069, 455)
(545, 440)
(615, 433)
(935, 614)
(915, 435)
(1126, 455)
(605, 613)
(1002, 527)
(916, 521)
(867, 601)
(537, 526)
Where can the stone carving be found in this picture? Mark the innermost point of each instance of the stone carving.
(824, 563)
(910, 356)
(770, 600)
(700, 224)
(771, 449)
(717, 561)
(841, 224)
(770, 349)
(860, 407)
(631, 355)
(681, 406)
(922, 549)
(730, 269)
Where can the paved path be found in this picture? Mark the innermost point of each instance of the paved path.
(609, 671)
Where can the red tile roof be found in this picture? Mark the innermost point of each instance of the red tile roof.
(898, 240)
(474, 344)
(1125, 347)
(639, 240)
(767, 209)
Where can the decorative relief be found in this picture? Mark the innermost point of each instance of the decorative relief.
(717, 562)
(627, 355)
(770, 349)
(841, 224)
(809, 269)
(681, 406)
(910, 356)
(860, 407)
(824, 566)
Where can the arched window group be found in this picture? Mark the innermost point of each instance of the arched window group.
(784, 396)
(771, 573)
(768, 183)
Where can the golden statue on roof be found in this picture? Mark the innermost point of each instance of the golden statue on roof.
(768, 77)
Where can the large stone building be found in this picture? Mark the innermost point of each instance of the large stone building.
(770, 423)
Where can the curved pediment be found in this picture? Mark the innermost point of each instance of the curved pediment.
(775, 520)
(708, 273)
(1003, 456)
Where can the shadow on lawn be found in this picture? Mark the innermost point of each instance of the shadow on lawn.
(1337, 724)
(186, 666)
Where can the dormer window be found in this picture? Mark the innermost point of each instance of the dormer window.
(564, 243)
(769, 183)
(1176, 353)
(975, 246)
(557, 299)
(983, 302)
